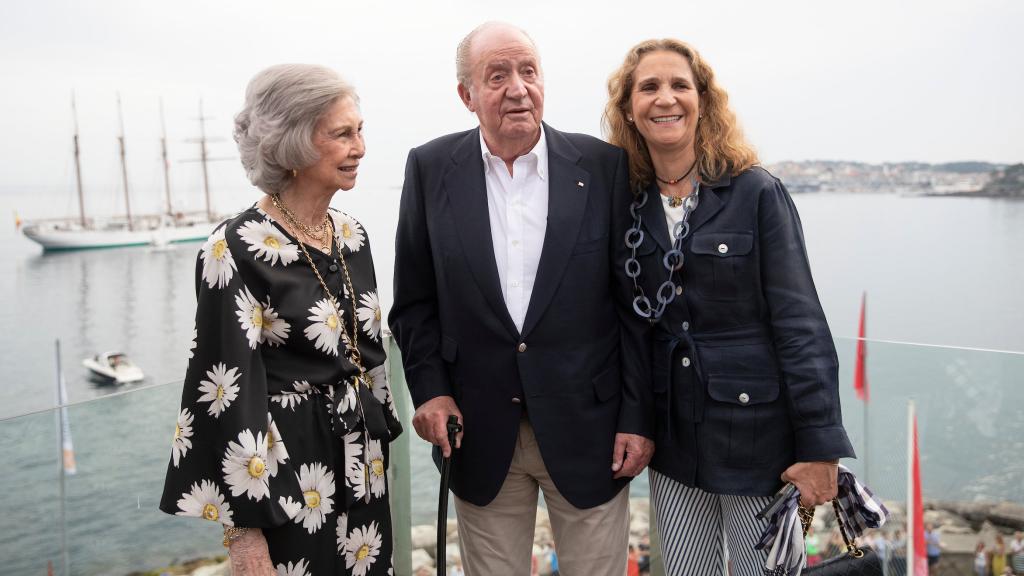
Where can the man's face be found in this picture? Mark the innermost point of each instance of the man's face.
(507, 87)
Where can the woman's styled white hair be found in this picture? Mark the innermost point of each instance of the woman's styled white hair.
(274, 130)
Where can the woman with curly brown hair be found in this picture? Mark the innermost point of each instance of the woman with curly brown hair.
(744, 371)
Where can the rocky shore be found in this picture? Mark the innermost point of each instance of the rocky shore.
(961, 526)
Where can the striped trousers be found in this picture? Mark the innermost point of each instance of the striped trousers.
(705, 534)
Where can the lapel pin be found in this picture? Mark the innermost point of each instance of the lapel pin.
(580, 184)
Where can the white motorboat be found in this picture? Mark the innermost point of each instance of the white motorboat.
(115, 367)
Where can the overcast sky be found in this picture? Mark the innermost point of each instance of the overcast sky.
(868, 80)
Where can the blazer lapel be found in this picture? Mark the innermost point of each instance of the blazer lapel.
(467, 197)
(652, 217)
(567, 203)
(709, 203)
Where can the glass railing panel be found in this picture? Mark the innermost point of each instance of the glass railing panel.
(970, 406)
(112, 524)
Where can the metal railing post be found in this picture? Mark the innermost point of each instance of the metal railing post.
(401, 466)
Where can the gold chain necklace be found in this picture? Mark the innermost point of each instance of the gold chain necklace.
(318, 232)
(351, 342)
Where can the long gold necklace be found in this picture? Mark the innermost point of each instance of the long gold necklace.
(320, 232)
(351, 344)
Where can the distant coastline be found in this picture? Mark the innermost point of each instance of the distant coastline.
(952, 179)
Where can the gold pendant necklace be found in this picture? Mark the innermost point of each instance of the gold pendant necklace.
(321, 233)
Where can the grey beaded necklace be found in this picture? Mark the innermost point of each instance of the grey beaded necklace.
(672, 261)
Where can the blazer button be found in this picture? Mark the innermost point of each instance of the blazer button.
(722, 248)
(686, 361)
(679, 290)
(333, 267)
(686, 326)
(522, 347)
(744, 398)
(516, 400)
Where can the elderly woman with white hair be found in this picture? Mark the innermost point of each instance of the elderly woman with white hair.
(286, 413)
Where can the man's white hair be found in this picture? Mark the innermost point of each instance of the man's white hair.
(462, 64)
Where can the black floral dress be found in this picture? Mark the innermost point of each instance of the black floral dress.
(271, 433)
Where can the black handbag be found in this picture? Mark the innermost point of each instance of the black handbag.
(855, 561)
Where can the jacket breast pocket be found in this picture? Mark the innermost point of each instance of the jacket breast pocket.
(745, 423)
(723, 265)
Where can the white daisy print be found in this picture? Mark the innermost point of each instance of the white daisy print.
(205, 501)
(289, 505)
(342, 532)
(375, 469)
(348, 400)
(293, 569)
(182, 435)
(277, 453)
(355, 471)
(317, 484)
(378, 381)
(348, 232)
(293, 399)
(259, 320)
(220, 390)
(245, 466)
(326, 329)
(218, 264)
(368, 313)
(362, 548)
(269, 243)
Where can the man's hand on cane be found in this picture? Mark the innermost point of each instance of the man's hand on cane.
(431, 422)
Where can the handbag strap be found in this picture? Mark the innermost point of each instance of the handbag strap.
(807, 515)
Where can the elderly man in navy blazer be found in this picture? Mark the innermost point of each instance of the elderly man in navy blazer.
(510, 316)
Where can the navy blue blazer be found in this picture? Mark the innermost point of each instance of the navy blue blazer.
(744, 369)
(566, 369)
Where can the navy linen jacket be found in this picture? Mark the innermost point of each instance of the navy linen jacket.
(568, 369)
(744, 369)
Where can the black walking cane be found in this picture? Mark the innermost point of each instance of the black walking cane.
(442, 498)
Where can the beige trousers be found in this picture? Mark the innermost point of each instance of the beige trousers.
(497, 539)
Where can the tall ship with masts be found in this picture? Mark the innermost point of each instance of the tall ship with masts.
(85, 232)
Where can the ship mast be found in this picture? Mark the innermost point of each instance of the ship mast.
(124, 164)
(203, 158)
(78, 165)
(163, 155)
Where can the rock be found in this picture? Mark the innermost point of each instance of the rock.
(452, 554)
(424, 536)
(422, 559)
(223, 569)
(452, 530)
(1008, 514)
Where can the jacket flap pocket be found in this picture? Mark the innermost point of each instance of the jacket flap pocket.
(608, 383)
(449, 349)
(742, 389)
(723, 244)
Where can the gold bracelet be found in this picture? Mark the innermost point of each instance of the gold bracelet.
(232, 533)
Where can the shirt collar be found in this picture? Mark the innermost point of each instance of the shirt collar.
(539, 153)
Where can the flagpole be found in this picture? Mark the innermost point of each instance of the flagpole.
(911, 417)
(860, 382)
(867, 456)
(60, 463)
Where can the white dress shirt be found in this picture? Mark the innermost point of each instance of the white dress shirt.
(517, 205)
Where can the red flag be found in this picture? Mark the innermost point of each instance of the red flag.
(918, 558)
(860, 378)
